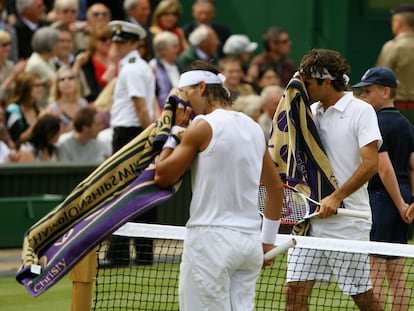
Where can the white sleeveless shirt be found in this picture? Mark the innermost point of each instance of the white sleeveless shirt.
(226, 175)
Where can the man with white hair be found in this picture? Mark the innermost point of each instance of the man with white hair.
(204, 12)
(138, 12)
(31, 14)
(271, 96)
(203, 46)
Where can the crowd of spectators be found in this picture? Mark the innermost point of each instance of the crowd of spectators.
(58, 58)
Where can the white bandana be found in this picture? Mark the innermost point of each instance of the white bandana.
(194, 77)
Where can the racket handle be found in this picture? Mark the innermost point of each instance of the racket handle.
(279, 249)
(341, 211)
(353, 213)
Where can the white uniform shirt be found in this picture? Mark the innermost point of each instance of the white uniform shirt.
(226, 175)
(135, 79)
(344, 129)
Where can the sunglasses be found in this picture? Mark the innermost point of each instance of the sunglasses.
(69, 78)
(103, 14)
(104, 39)
(4, 44)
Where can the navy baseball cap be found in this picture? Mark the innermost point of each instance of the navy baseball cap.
(378, 75)
(403, 8)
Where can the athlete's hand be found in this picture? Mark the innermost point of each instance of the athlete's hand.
(182, 115)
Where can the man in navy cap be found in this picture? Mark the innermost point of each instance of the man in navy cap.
(390, 190)
(397, 54)
(132, 108)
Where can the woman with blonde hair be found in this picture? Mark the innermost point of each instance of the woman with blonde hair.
(65, 96)
(166, 17)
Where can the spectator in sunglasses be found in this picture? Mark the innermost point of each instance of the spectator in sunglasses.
(99, 62)
(65, 97)
(277, 44)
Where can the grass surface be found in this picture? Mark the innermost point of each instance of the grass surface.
(14, 297)
(146, 288)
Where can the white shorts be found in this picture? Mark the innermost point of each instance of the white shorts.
(219, 269)
(351, 271)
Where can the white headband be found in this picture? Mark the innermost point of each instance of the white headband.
(194, 77)
(325, 75)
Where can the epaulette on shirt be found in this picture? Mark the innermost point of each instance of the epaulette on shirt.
(131, 60)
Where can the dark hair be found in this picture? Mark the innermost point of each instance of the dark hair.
(265, 68)
(213, 91)
(271, 34)
(45, 128)
(84, 117)
(319, 59)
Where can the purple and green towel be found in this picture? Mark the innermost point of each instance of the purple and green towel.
(117, 191)
(295, 145)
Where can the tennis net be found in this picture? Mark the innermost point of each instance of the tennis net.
(132, 284)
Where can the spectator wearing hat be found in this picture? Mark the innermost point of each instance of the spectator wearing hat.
(241, 47)
(397, 54)
(390, 189)
(277, 46)
(131, 112)
(134, 92)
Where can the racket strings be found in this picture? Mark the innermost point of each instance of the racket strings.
(294, 206)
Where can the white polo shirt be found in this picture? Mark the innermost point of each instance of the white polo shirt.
(344, 129)
(135, 79)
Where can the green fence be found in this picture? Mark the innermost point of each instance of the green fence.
(30, 191)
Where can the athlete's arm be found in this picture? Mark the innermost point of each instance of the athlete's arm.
(367, 169)
(172, 163)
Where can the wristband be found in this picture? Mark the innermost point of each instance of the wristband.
(411, 200)
(171, 142)
(270, 229)
(176, 128)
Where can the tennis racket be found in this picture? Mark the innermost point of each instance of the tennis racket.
(296, 206)
(279, 249)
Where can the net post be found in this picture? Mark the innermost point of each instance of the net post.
(83, 278)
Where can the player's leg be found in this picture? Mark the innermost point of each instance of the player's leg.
(353, 276)
(244, 277)
(203, 285)
(297, 295)
(210, 258)
(304, 267)
(397, 284)
(378, 267)
(367, 301)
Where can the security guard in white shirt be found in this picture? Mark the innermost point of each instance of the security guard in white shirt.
(131, 112)
(132, 107)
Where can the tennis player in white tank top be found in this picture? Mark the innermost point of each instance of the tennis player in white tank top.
(228, 158)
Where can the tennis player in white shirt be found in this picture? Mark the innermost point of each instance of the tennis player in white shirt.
(228, 158)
